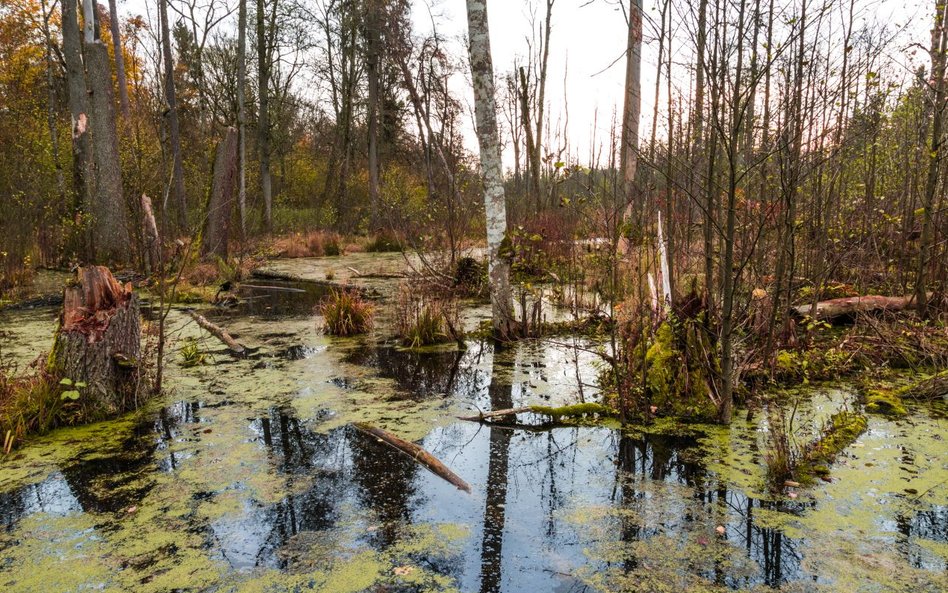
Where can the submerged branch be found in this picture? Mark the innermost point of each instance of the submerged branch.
(414, 451)
(218, 332)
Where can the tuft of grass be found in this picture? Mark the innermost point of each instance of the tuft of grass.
(311, 244)
(424, 321)
(346, 313)
(34, 404)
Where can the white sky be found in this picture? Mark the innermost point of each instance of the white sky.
(588, 36)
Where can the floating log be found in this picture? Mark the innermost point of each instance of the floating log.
(574, 410)
(218, 332)
(415, 452)
(98, 342)
(847, 306)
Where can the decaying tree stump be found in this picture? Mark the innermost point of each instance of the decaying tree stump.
(99, 341)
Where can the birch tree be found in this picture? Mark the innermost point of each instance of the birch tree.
(485, 114)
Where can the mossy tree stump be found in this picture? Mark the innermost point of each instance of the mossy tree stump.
(98, 342)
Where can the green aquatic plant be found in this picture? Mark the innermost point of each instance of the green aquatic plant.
(346, 313)
(191, 354)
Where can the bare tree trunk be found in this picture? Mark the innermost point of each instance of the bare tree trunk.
(263, 117)
(150, 231)
(485, 111)
(110, 241)
(221, 203)
(939, 46)
(51, 103)
(633, 102)
(78, 107)
(120, 79)
(174, 132)
(728, 280)
(541, 98)
(242, 115)
(372, 66)
(533, 167)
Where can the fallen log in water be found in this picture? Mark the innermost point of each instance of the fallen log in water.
(846, 306)
(219, 332)
(573, 411)
(415, 452)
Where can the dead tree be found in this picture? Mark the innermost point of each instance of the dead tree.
(220, 205)
(98, 343)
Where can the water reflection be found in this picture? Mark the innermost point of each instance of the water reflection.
(549, 510)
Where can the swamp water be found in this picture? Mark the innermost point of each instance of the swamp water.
(246, 477)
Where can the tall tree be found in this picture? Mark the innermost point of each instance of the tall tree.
(174, 131)
(485, 114)
(78, 106)
(939, 47)
(242, 115)
(120, 79)
(632, 106)
(373, 50)
(265, 40)
(109, 224)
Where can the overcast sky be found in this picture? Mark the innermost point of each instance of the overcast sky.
(587, 46)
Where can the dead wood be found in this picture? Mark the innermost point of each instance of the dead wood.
(848, 306)
(219, 333)
(415, 452)
(99, 341)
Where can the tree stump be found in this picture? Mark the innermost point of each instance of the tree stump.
(99, 342)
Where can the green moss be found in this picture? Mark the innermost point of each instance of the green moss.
(842, 430)
(886, 402)
(574, 411)
(676, 380)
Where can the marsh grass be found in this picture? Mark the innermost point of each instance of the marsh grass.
(346, 313)
(34, 404)
(426, 319)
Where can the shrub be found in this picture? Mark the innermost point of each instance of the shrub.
(470, 275)
(346, 313)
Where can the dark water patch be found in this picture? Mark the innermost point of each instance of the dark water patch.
(274, 299)
(418, 374)
(298, 352)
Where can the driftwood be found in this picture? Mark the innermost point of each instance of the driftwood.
(415, 452)
(98, 343)
(219, 333)
(847, 306)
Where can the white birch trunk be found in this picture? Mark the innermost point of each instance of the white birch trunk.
(485, 112)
